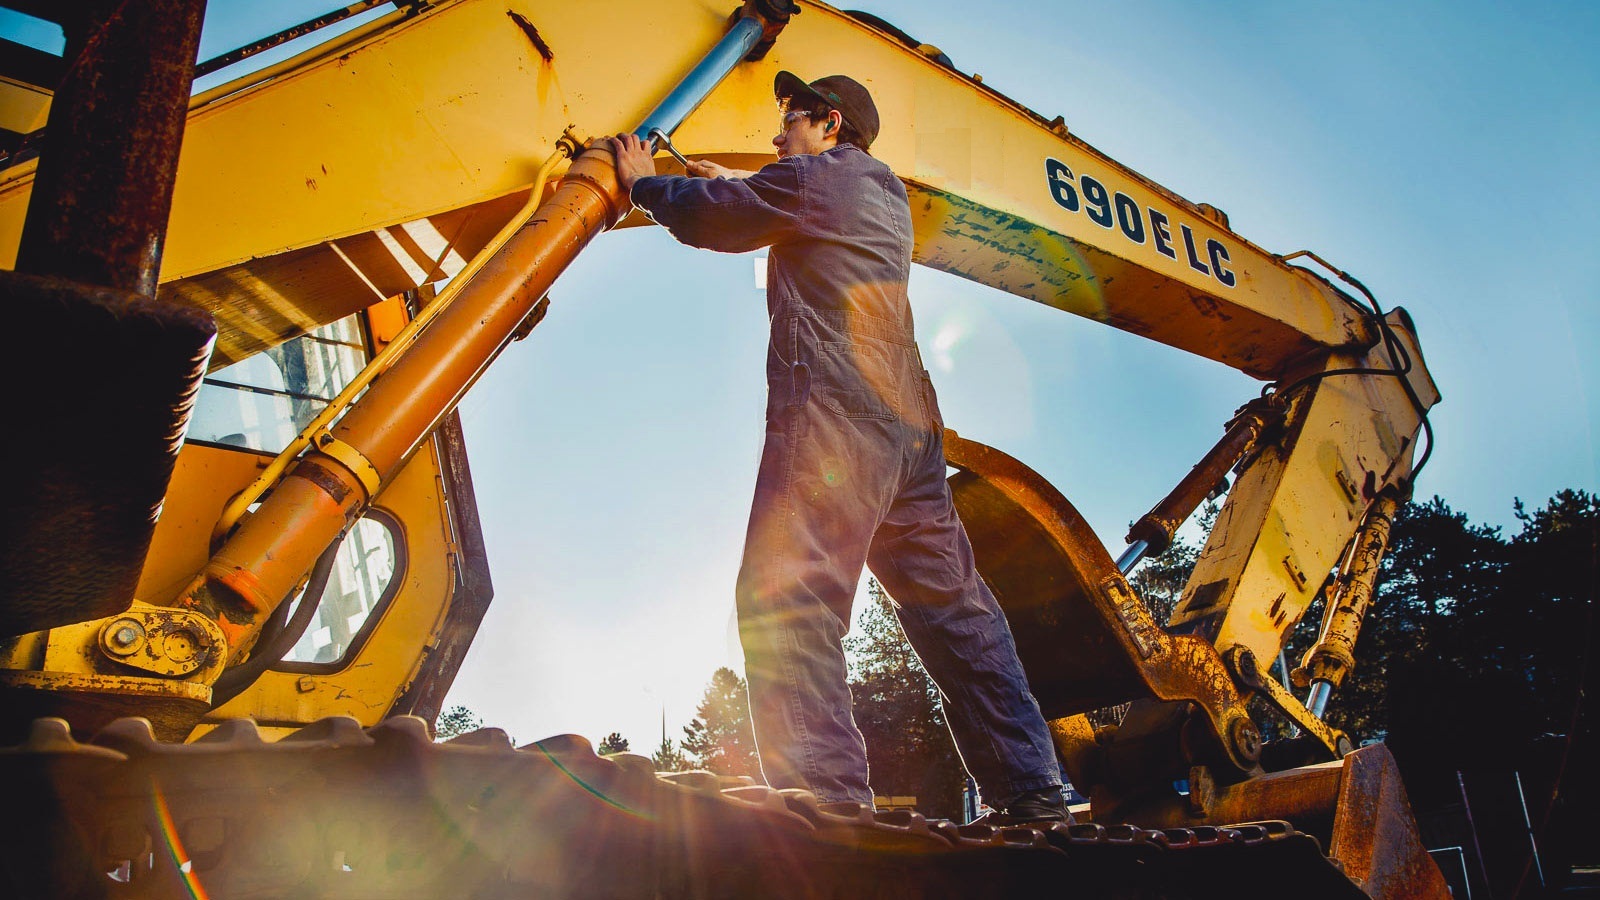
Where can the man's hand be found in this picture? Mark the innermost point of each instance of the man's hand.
(705, 168)
(634, 160)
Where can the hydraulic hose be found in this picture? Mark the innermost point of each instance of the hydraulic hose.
(275, 643)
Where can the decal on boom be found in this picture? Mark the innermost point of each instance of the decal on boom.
(1120, 212)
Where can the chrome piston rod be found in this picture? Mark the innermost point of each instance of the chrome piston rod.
(1130, 557)
(701, 80)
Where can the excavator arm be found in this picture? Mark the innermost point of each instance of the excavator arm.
(436, 140)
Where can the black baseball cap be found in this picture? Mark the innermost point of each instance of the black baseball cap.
(840, 92)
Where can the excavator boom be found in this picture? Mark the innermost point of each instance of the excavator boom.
(317, 207)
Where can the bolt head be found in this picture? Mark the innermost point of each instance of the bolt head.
(1246, 739)
(124, 637)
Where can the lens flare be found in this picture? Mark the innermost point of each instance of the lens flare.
(180, 858)
(599, 794)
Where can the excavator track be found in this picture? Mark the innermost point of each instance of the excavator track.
(335, 811)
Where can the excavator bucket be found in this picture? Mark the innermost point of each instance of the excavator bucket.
(1087, 641)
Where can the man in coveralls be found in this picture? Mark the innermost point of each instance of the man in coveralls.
(853, 469)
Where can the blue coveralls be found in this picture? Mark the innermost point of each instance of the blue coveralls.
(852, 473)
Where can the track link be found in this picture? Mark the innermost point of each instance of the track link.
(338, 811)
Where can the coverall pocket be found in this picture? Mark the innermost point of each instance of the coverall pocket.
(857, 379)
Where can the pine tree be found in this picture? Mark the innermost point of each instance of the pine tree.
(668, 758)
(719, 739)
(456, 721)
(899, 711)
(613, 743)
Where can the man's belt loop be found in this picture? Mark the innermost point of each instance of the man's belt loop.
(351, 458)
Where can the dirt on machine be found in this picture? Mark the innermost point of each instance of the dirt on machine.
(242, 561)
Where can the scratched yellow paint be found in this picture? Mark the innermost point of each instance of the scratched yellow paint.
(455, 107)
(206, 477)
(1295, 511)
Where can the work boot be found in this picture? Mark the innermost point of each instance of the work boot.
(1038, 807)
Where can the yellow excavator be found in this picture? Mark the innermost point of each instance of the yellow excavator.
(241, 559)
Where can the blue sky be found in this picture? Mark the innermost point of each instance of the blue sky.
(1441, 152)
(1438, 152)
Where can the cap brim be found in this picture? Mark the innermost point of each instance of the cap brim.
(788, 84)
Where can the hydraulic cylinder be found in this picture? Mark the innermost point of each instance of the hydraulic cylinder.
(1332, 658)
(263, 561)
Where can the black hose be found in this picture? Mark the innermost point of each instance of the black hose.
(272, 648)
(1399, 357)
(274, 626)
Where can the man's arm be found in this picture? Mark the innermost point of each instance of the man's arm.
(705, 168)
(728, 214)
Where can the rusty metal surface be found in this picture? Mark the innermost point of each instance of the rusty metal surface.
(1374, 833)
(84, 491)
(1295, 505)
(1247, 669)
(336, 811)
(528, 28)
(103, 190)
(1060, 589)
(1045, 567)
(1332, 658)
(79, 518)
(1305, 796)
(94, 701)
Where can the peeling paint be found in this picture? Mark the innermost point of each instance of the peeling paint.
(528, 29)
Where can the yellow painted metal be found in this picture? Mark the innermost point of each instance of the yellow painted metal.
(25, 651)
(93, 700)
(1292, 511)
(162, 641)
(354, 461)
(253, 580)
(300, 60)
(342, 178)
(1260, 679)
(402, 129)
(74, 682)
(68, 681)
(23, 107)
(275, 547)
(393, 346)
(202, 481)
(378, 671)
(165, 643)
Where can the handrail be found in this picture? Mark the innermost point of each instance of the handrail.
(337, 44)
